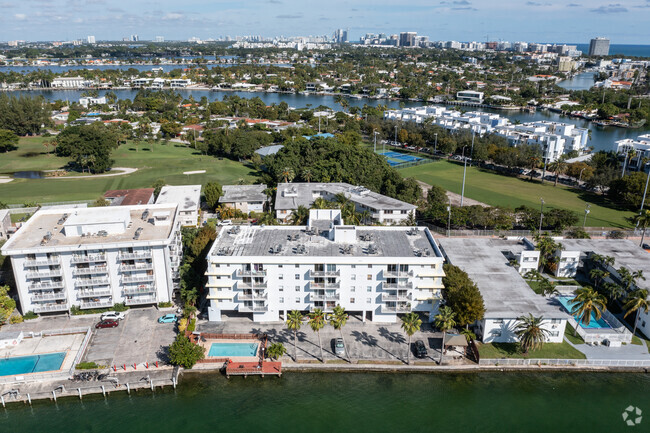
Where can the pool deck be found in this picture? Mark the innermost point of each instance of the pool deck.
(70, 344)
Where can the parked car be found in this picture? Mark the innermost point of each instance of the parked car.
(108, 323)
(112, 315)
(168, 318)
(646, 247)
(225, 223)
(420, 349)
(339, 347)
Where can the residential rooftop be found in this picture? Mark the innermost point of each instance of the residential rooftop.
(292, 195)
(188, 197)
(129, 197)
(72, 229)
(504, 291)
(243, 193)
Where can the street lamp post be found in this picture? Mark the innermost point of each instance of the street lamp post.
(375, 133)
(435, 145)
(395, 135)
(545, 160)
(541, 214)
(462, 193)
(449, 220)
(584, 223)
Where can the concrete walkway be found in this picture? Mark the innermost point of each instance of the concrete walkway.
(122, 171)
(627, 352)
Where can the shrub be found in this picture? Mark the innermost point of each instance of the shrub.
(182, 325)
(185, 353)
(192, 326)
(165, 304)
(120, 307)
(87, 366)
(16, 319)
(276, 350)
(30, 315)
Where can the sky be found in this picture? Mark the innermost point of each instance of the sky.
(622, 21)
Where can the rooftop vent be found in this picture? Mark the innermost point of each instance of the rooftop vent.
(137, 234)
(145, 215)
(412, 231)
(62, 219)
(46, 238)
(367, 237)
(224, 251)
(276, 249)
(372, 249)
(347, 249)
(234, 230)
(300, 249)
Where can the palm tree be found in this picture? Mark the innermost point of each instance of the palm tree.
(559, 167)
(547, 288)
(287, 174)
(321, 203)
(614, 291)
(643, 221)
(365, 217)
(534, 275)
(307, 174)
(530, 332)
(598, 276)
(627, 277)
(533, 163)
(411, 324)
(587, 302)
(444, 320)
(299, 216)
(338, 318)
(294, 322)
(317, 322)
(636, 301)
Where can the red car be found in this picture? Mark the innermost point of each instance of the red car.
(108, 323)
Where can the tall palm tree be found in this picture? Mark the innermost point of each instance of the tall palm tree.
(444, 320)
(287, 174)
(559, 167)
(307, 174)
(627, 277)
(614, 291)
(294, 322)
(636, 301)
(321, 203)
(643, 221)
(338, 318)
(316, 323)
(530, 332)
(598, 276)
(587, 302)
(411, 324)
(299, 216)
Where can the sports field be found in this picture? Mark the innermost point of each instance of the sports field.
(165, 161)
(498, 190)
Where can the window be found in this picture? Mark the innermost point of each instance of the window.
(352, 301)
(297, 266)
(354, 266)
(353, 277)
(297, 288)
(353, 289)
(555, 321)
(429, 301)
(368, 300)
(368, 288)
(297, 276)
(280, 288)
(297, 300)
(369, 277)
(554, 333)
(498, 321)
(280, 266)
(281, 300)
(495, 333)
(280, 277)
(369, 266)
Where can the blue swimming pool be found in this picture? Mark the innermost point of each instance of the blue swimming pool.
(593, 323)
(226, 350)
(31, 364)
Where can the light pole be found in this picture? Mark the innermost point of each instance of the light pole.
(545, 159)
(395, 135)
(435, 145)
(627, 153)
(449, 220)
(375, 133)
(462, 192)
(541, 215)
(471, 152)
(584, 223)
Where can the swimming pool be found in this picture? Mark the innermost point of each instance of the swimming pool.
(31, 364)
(225, 350)
(593, 323)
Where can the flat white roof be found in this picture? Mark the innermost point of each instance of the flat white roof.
(188, 197)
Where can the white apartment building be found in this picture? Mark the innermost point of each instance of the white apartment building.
(96, 257)
(375, 272)
(92, 101)
(640, 146)
(188, 199)
(69, 82)
(470, 96)
(246, 198)
(383, 209)
(505, 293)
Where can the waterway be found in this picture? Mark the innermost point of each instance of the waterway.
(601, 138)
(583, 81)
(356, 402)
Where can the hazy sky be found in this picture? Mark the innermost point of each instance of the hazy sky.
(626, 21)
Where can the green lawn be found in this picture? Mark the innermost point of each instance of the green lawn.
(568, 333)
(511, 350)
(166, 161)
(499, 190)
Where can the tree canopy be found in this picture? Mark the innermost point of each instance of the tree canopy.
(462, 296)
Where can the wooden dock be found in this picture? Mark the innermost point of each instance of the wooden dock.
(254, 369)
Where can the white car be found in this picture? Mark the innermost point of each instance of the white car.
(225, 223)
(114, 315)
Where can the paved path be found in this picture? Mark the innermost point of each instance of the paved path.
(5, 179)
(455, 198)
(123, 170)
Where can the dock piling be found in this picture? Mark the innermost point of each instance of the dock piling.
(79, 390)
(54, 395)
(103, 391)
(128, 388)
(29, 399)
(3, 400)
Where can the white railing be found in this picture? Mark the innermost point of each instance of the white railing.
(44, 274)
(149, 288)
(135, 256)
(394, 298)
(396, 286)
(141, 300)
(80, 258)
(46, 286)
(131, 268)
(91, 282)
(397, 274)
(50, 308)
(89, 271)
(96, 304)
(43, 262)
(569, 362)
(137, 279)
(93, 293)
(82, 349)
(49, 297)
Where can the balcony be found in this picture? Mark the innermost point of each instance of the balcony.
(137, 278)
(247, 286)
(81, 258)
(94, 293)
(252, 297)
(140, 290)
(140, 255)
(437, 272)
(103, 303)
(324, 285)
(402, 308)
(88, 282)
(396, 286)
(52, 296)
(141, 300)
(324, 297)
(313, 273)
(44, 274)
(134, 268)
(42, 262)
(252, 308)
(385, 297)
(251, 273)
(45, 286)
(91, 270)
(50, 308)
(398, 274)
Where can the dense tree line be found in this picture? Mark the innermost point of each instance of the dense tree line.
(89, 147)
(23, 115)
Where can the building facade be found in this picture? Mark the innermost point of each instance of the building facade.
(375, 272)
(246, 198)
(96, 257)
(599, 47)
(188, 199)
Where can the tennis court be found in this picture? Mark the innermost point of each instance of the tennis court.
(396, 158)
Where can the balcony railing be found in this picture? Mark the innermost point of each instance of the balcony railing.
(137, 278)
(324, 285)
(56, 296)
(135, 256)
(252, 297)
(141, 300)
(313, 273)
(395, 286)
(402, 308)
(324, 296)
(398, 274)
(81, 258)
(103, 303)
(45, 286)
(88, 282)
(385, 297)
(252, 308)
(42, 262)
(93, 293)
(133, 268)
(44, 274)
(90, 271)
(251, 273)
(244, 286)
(140, 290)
(50, 308)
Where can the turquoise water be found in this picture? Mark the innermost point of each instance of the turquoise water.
(347, 402)
(593, 323)
(224, 350)
(31, 364)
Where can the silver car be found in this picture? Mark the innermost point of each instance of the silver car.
(339, 347)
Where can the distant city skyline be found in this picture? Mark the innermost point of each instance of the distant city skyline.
(623, 22)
